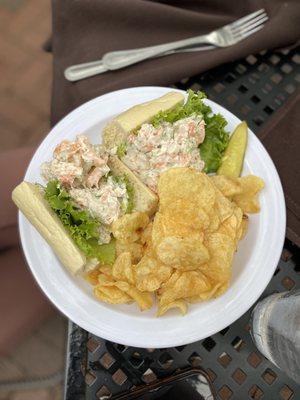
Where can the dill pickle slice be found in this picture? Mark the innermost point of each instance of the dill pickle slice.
(233, 158)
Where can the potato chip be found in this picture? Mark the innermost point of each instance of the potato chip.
(231, 226)
(157, 229)
(228, 186)
(221, 249)
(243, 191)
(221, 289)
(104, 279)
(223, 207)
(135, 249)
(171, 281)
(182, 252)
(247, 200)
(128, 227)
(111, 295)
(244, 226)
(185, 183)
(164, 226)
(185, 284)
(92, 277)
(214, 221)
(106, 270)
(187, 213)
(122, 268)
(144, 299)
(146, 234)
(239, 228)
(181, 304)
(205, 295)
(150, 274)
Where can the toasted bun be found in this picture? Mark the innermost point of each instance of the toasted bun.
(29, 199)
(118, 129)
(144, 199)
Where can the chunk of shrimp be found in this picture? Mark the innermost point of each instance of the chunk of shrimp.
(197, 131)
(94, 177)
(66, 149)
(67, 180)
(183, 159)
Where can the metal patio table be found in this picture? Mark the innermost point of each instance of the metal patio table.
(254, 89)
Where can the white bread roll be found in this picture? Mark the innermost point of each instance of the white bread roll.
(29, 199)
(118, 129)
(144, 199)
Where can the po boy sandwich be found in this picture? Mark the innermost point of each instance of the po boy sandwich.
(167, 132)
(86, 191)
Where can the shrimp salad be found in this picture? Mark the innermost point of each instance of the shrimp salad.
(153, 150)
(81, 169)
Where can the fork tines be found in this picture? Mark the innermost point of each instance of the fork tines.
(249, 24)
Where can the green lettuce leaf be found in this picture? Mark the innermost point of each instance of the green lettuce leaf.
(215, 142)
(216, 137)
(129, 189)
(82, 227)
(193, 105)
(130, 192)
(121, 149)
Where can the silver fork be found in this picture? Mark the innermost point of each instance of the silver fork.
(226, 36)
(85, 70)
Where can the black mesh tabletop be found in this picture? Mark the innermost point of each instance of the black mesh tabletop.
(253, 89)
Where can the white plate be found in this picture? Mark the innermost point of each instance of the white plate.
(254, 262)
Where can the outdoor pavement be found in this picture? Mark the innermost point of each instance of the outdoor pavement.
(25, 87)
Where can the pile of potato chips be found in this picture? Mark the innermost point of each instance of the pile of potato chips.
(185, 254)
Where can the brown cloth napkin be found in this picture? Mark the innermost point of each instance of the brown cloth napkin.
(83, 30)
(281, 138)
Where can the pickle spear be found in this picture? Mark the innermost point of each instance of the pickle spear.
(233, 158)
